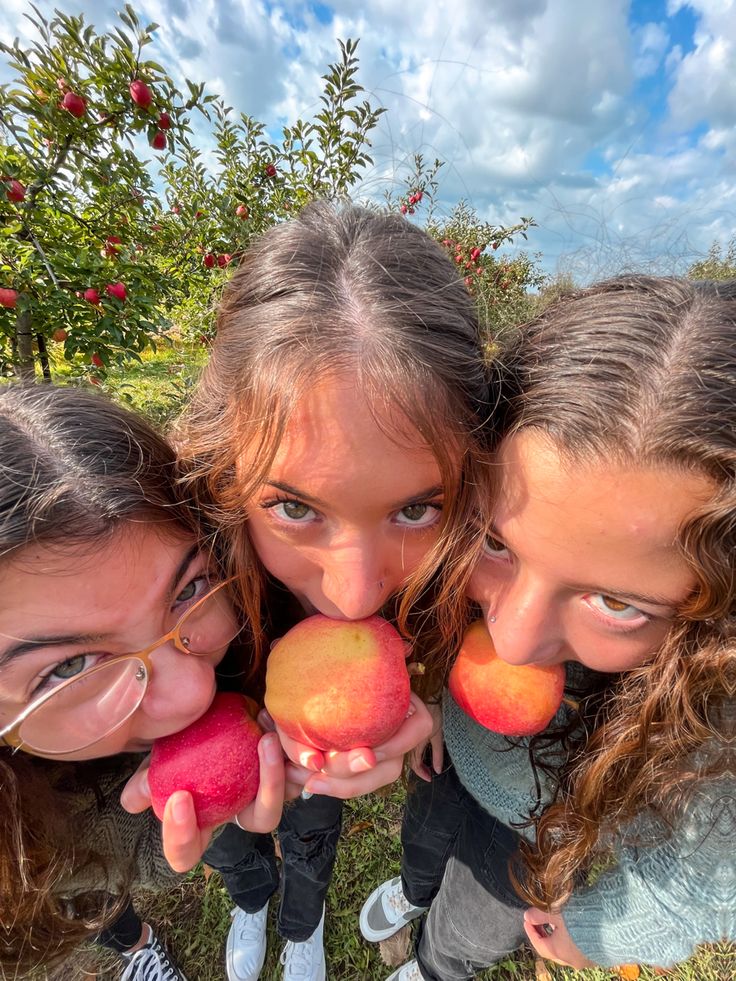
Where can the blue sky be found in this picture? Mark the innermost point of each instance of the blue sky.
(612, 123)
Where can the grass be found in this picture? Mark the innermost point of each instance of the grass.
(193, 918)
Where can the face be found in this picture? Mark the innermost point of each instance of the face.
(65, 610)
(347, 512)
(583, 565)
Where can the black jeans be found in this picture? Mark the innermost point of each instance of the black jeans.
(308, 835)
(455, 861)
(124, 932)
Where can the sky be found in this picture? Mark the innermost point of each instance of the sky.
(611, 123)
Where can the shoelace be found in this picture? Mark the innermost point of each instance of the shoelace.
(299, 957)
(150, 963)
(250, 925)
(397, 900)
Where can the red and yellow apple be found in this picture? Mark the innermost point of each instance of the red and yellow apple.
(215, 759)
(338, 684)
(511, 699)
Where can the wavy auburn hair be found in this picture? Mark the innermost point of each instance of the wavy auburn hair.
(641, 371)
(75, 469)
(342, 290)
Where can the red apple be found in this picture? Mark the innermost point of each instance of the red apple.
(511, 699)
(270, 170)
(8, 298)
(215, 759)
(111, 246)
(74, 104)
(338, 684)
(242, 212)
(159, 140)
(164, 121)
(97, 360)
(209, 260)
(16, 192)
(175, 209)
(140, 94)
(91, 295)
(59, 335)
(117, 290)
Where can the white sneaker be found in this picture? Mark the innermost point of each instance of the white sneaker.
(386, 911)
(246, 944)
(306, 961)
(407, 972)
(151, 962)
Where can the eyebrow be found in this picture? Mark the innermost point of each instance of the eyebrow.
(423, 495)
(60, 640)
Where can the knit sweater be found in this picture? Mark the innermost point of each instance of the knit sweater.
(667, 891)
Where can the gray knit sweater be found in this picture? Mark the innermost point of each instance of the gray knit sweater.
(662, 897)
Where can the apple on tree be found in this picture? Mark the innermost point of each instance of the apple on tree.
(159, 140)
(117, 290)
(8, 298)
(140, 94)
(338, 684)
(16, 192)
(91, 295)
(74, 104)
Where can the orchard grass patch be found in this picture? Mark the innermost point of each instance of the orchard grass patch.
(193, 919)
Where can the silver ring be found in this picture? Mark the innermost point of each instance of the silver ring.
(239, 824)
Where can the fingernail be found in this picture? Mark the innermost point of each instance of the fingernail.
(305, 795)
(180, 810)
(360, 764)
(271, 748)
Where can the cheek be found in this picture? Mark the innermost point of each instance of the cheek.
(484, 583)
(281, 559)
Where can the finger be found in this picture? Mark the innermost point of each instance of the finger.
(183, 841)
(438, 752)
(301, 753)
(345, 764)
(136, 794)
(417, 764)
(415, 729)
(357, 785)
(265, 721)
(264, 813)
(538, 942)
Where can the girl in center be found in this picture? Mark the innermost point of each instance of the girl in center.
(335, 442)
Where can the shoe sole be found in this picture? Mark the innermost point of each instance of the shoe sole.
(376, 936)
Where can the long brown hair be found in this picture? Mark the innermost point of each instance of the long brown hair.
(344, 289)
(641, 371)
(75, 469)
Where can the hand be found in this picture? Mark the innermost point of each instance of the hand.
(416, 757)
(557, 946)
(357, 771)
(183, 842)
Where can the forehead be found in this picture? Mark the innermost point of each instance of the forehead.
(337, 438)
(595, 508)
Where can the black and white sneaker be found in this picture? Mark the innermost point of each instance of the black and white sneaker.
(151, 962)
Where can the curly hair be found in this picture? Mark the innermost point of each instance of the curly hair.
(342, 289)
(640, 370)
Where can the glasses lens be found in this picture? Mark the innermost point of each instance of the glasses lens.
(210, 625)
(80, 713)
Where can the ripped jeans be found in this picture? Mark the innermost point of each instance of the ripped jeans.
(308, 835)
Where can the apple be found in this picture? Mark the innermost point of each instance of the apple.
(97, 360)
(59, 335)
(74, 104)
(175, 209)
(111, 246)
(159, 140)
(164, 121)
(16, 192)
(242, 212)
(270, 170)
(8, 298)
(91, 295)
(338, 684)
(215, 759)
(511, 699)
(209, 260)
(140, 94)
(117, 290)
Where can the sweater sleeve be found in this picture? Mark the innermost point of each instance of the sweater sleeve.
(662, 899)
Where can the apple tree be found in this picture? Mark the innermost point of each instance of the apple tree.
(78, 124)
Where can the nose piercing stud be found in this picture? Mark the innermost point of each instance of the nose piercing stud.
(491, 619)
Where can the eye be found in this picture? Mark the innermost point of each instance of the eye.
(71, 667)
(494, 548)
(615, 609)
(290, 510)
(418, 515)
(193, 590)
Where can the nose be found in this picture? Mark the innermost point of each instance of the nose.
(355, 579)
(180, 686)
(524, 623)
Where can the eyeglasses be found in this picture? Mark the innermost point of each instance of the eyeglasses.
(86, 708)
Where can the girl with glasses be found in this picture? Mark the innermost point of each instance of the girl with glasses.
(113, 623)
(335, 440)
